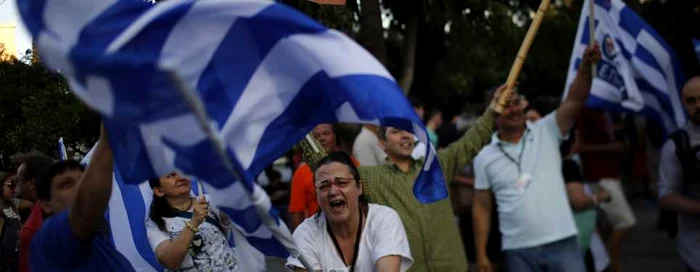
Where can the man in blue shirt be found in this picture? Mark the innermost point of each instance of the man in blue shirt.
(73, 202)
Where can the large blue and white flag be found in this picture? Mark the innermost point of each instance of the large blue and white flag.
(264, 74)
(696, 47)
(639, 72)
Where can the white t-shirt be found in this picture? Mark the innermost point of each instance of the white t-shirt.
(209, 250)
(383, 235)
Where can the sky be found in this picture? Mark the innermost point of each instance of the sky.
(8, 13)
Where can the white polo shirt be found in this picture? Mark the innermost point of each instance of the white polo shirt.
(530, 213)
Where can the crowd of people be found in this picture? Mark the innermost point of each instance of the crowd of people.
(528, 193)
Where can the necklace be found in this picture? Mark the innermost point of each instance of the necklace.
(356, 249)
(188, 206)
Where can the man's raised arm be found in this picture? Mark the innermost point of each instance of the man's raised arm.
(95, 189)
(580, 89)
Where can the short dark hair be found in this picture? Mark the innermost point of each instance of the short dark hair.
(35, 165)
(381, 133)
(43, 187)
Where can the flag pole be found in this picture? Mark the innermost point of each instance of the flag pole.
(257, 197)
(591, 31)
(503, 100)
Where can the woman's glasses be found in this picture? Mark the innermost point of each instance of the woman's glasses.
(325, 185)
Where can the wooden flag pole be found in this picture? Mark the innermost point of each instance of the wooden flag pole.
(503, 100)
(591, 30)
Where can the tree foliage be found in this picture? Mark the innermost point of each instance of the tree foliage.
(465, 47)
(36, 109)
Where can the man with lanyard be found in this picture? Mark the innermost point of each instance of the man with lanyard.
(522, 168)
(679, 188)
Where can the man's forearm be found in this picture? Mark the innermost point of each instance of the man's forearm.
(482, 226)
(481, 220)
(680, 204)
(462, 152)
(94, 192)
(575, 101)
(580, 87)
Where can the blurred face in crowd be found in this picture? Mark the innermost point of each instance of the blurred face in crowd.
(691, 99)
(25, 187)
(397, 143)
(420, 111)
(63, 189)
(512, 117)
(436, 119)
(173, 185)
(325, 135)
(8, 187)
(337, 192)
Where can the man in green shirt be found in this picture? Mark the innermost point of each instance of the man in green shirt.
(432, 232)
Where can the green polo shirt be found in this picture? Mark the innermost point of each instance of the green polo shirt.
(432, 233)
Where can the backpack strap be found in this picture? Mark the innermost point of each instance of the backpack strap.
(682, 142)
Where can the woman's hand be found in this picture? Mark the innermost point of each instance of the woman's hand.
(201, 210)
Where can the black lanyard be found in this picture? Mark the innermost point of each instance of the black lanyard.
(520, 156)
(357, 242)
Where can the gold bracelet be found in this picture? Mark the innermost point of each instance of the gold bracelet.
(192, 228)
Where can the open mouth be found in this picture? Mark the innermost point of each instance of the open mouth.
(337, 205)
(181, 183)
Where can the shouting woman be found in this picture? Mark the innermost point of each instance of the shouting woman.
(349, 234)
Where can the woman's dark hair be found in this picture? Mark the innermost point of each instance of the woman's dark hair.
(343, 158)
(159, 207)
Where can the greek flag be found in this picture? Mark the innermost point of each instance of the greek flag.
(639, 72)
(62, 154)
(214, 88)
(696, 47)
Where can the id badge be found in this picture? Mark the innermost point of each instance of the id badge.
(342, 269)
(523, 181)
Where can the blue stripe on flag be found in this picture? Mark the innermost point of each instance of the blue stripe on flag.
(101, 32)
(33, 15)
(144, 73)
(251, 35)
(135, 205)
